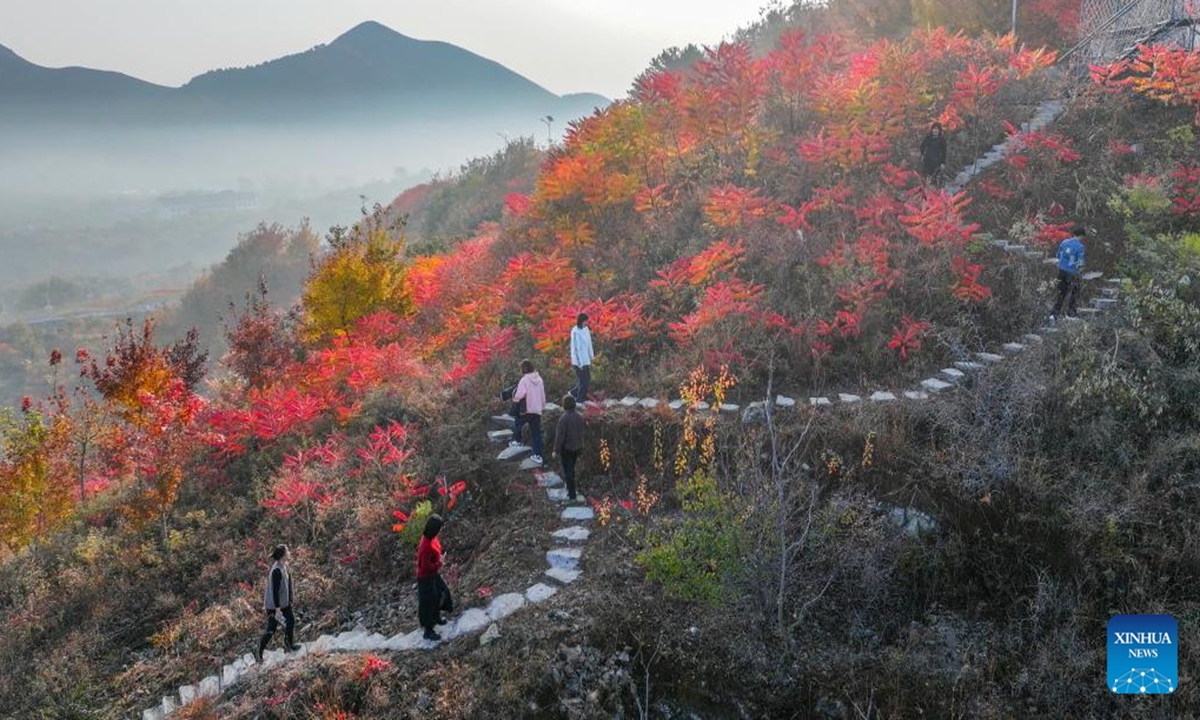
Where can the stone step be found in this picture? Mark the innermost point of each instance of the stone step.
(701, 406)
(610, 403)
(935, 385)
(968, 365)
(1115, 281)
(882, 396)
(784, 402)
(405, 641)
(578, 512)
(1088, 313)
(648, 403)
(818, 401)
(504, 605)
(187, 695)
(953, 373)
(539, 592)
(556, 494)
(549, 479)
(1104, 303)
(1035, 255)
(1110, 292)
(512, 452)
(500, 435)
(629, 401)
(916, 394)
(154, 713)
(564, 557)
(1095, 275)
(470, 621)
(504, 420)
(574, 533)
(675, 405)
(1050, 261)
(730, 407)
(848, 398)
(1014, 347)
(210, 687)
(1015, 248)
(531, 464)
(565, 576)
(1032, 339)
(990, 358)
(169, 705)
(551, 407)
(1000, 242)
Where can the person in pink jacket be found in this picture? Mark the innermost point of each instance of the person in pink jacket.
(533, 392)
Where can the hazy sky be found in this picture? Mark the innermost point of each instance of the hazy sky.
(565, 45)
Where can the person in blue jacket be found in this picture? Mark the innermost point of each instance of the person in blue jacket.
(1070, 269)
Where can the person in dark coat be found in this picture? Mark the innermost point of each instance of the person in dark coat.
(933, 154)
(568, 442)
(433, 595)
(277, 602)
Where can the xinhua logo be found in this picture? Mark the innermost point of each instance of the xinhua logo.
(1143, 654)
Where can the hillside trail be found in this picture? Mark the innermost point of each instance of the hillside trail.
(564, 559)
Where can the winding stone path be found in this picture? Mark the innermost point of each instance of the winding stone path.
(563, 562)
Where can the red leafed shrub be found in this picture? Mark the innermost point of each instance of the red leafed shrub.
(732, 207)
(372, 665)
(966, 285)
(482, 351)
(1052, 233)
(299, 492)
(1186, 195)
(906, 337)
(935, 220)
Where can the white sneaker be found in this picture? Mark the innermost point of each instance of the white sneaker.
(537, 459)
(514, 443)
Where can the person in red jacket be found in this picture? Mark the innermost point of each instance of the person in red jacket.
(433, 595)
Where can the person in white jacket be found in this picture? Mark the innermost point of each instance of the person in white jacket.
(581, 357)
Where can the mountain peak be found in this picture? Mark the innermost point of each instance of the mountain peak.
(369, 31)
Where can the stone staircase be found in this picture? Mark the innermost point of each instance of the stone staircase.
(563, 568)
(1046, 113)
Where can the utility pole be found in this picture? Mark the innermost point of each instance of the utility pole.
(549, 120)
(1014, 19)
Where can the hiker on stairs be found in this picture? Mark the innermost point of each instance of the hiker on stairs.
(581, 357)
(433, 595)
(1070, 269)
(277, 602)
(533, 392)
(933, 154)
(568, 442)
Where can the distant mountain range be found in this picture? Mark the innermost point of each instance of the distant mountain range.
(369, 70)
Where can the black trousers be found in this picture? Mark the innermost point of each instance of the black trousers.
(534, 421)
(433, 599)
(1068, 289)
(289, 626)
(583, 378)
(568, 465)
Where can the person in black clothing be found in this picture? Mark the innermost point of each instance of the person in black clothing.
(568, 442)
(433, 595)
(277, 602)
(933, 154)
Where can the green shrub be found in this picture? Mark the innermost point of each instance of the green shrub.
(696, 557)
(411, 534)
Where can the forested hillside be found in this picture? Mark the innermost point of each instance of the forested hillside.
(745, 231)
